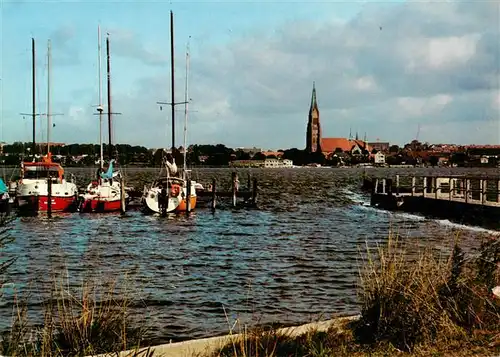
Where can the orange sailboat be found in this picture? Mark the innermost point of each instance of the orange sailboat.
(44, 179)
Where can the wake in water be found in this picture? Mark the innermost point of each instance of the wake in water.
(364, 203)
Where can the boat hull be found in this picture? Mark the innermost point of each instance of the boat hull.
(100, 206)
(175, 204)
(35, 203)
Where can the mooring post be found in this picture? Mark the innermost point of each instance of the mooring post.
(450, 180)
(397, 185)
(389, 187)
(235, 180)
(254, 192)
(214, 195)
(482, 188)
(188, 197)
(249, 182)
(49, 197)
(413, 184)
(425, 186)
(164, 201)
(122, 196)
(384, 186)
(498, 191)
(467, 190)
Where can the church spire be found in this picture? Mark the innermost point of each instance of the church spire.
(357, 135)
(314, 103)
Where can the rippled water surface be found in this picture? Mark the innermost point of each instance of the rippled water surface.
(292, 260)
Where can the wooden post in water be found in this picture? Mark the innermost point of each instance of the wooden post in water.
(249, 183)
(164, 201)
(498, 191)
(254, 192)
(49, 196)
(384, 183)
(389, 187)
(425, 187)
(235, 183)
(214, 195)
(482, 187)
(413, 184)
(467, 189)
(188, 197)
(397, 184)
(122, 196)
(450, 180)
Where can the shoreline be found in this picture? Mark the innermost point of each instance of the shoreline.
(208, 345)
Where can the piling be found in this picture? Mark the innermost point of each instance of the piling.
(254, 192)
(188, 197)
(164, 202)
(214, 195)
(49, 197)
(122, 196)
(249, 182)
(235, 183)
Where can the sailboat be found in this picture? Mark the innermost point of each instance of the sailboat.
(32, 192)
(104, 193)
(170, 189)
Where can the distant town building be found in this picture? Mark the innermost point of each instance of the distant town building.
(313, 136)
(251, 151)
(267, 163)
(380, 146)
(379, 158)
(328, 146)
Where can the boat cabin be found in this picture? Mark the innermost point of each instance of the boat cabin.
(42, 170)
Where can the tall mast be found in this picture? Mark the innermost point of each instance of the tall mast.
(110, 150)
(99, 107)
(186, 103)
(34, 93)
(49, 115)
(172, 74)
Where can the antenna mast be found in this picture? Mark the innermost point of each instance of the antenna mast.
(110, 150)
(172, 74)
(186, 103)
(99, 107)
(34, 92)
(48, 97)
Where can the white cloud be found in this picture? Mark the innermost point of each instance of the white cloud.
(383, 72)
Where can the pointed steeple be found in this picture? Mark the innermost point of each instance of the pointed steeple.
(350, 133)
(314, 103)
(357, 135)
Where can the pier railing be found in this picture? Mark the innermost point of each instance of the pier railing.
(467, 189)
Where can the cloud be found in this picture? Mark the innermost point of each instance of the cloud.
(384, 72)
(127, 44)
(65, 46)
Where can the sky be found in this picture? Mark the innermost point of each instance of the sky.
(393, 71)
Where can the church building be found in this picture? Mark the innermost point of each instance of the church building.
(328, 146)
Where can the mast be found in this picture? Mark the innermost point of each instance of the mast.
(99, 107)
(186, 103)
(110, 150)
(172, 74)
(49, 115)
(34, 92)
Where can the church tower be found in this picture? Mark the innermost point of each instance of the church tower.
(313, 139)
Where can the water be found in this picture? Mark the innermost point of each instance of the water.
(294, 260)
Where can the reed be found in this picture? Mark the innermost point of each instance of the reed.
(412, 303)
(93, 319)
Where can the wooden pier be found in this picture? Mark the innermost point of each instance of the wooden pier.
(212, 194)
(465, 199)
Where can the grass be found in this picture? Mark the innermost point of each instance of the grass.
(88, 321)
(421, 306)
